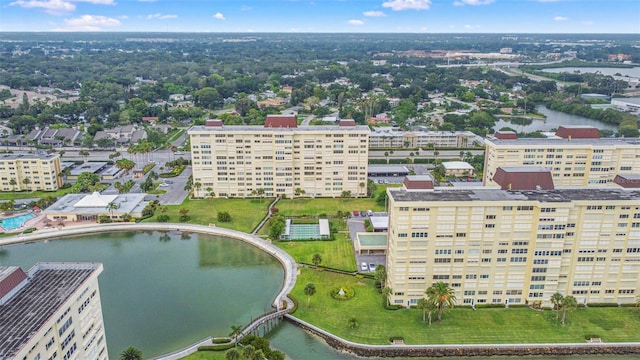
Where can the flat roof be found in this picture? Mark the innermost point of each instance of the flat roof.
(324, 227)
(28, 156)
(424, 177)
(260, 128)
(526, 169)
(379, 222)
(377, 169)
(556, 195)
(566, 142)
(49, 286)
(372, 239)
(91, 167)
(67, 204)
(450, 165)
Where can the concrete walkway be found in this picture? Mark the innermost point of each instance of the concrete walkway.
(282, 302)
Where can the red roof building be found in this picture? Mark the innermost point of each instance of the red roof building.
(418, 182)
(10, 277)
(347, 122)
(628, 181)
(524, 178)
(578, 132)
(213, 122)
(505, 135)
(281, 121)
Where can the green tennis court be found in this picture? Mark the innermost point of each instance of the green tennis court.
(306, 231)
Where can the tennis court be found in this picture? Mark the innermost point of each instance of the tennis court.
(306, 231)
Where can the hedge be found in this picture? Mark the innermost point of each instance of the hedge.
(223, 347)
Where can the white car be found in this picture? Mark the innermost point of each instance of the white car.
(372, 267)
(164, 184)
(363, 266)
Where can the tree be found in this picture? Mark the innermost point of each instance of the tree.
(235, 331)
(556, 301)
(309, 290)
(131, 353)
(353, 323)
(386, 292)
(276, 228)
(224, 216)
(13, 184)
(86, 182)
(248, 351)
(427, 307)
(26, 182)
(316, 259)
(111, 207)
(569, 302)
(232, 354)
(442, 296)
(381, 275)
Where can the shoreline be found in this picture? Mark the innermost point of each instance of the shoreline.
(363, 350)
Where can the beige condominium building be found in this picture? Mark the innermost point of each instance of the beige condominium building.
(30, 172)
(51, 312)
(495, 246)
(279, 159)
(576, 156)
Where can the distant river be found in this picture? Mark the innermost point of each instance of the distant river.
(553, 121)
(631, 72)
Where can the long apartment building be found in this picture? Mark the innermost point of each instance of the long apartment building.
(386, 137)
(575, 156)
(51, 312)
(41, 172)
(496, 246)
(279, 159)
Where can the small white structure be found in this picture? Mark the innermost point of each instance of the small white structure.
(458, 168)
(75, 207)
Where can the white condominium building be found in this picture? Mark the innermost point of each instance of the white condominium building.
(385, 137)
(572, 160)
(51, 312)
(29, 172)
(279, 159)
(497, 246)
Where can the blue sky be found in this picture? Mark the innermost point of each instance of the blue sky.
(414, 16)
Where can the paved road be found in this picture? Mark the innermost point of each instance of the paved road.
(307, 120)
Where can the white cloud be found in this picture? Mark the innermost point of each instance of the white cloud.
(398, 5)
(53, 7)
(57, 7)
(161, 16)
(472, 2)
(356, 22)
(219, 16)
(90, 23)
(560, 18)
(373, 13)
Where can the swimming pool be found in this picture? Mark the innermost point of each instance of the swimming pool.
(15, 222)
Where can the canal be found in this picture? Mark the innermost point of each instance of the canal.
(553, 121)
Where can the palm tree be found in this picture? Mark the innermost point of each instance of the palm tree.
(13, 184)
(130, 353)
(26, 182)
(386, 292)
(309, 290)
(232, 354)
(316, 259)
(427, 307)
(111, 207)
(569, 302)
(380, 275)
(442, 296)
(362, 185)
(556, 300)
(235, 331)
(248, 351)
(84, 154)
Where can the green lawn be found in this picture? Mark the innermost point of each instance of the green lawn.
(245, 213)
(8, 195)
(327, 206)
(206, 355)
(461, 325)
(336, 254)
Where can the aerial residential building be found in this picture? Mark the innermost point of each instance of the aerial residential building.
(51, 312)
(279, 159)
(576, 156)
(30, 172)
(388, 138)
(495, 246)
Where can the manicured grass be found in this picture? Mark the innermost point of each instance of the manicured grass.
(246, 214)
(327, 206)
(461, 325)
(8, 195)
(336, 254)
(206, 355)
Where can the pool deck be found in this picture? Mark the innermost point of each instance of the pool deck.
(27, 224)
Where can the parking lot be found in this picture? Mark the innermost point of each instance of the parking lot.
(356, 225)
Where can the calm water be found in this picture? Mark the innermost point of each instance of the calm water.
(299, 345)
(553, 121)
(632, 72)
(161, 292)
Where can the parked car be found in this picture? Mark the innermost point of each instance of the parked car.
(363, 266)
(372, 267)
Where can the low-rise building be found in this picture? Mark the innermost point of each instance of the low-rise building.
(83, 207)
(458, 168)
(51, 312)
(389, 138)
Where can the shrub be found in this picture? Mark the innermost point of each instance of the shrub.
(347, 293)
(489, 306)
(221, 340)
(224, 216)
(163, 218)
(222, 347)
(602, 305)
(29, 230)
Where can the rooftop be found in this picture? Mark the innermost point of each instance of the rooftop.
(566, 142)
(76, 203)
(49, 286)
(258, 128)
(557, 195)
(42, 156)
(372, 239)
(457, 165)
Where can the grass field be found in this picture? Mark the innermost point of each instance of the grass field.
(461, 325)
(246, 214)
(327, 206)
(336, 254)
(206, 355)
(33, 194)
